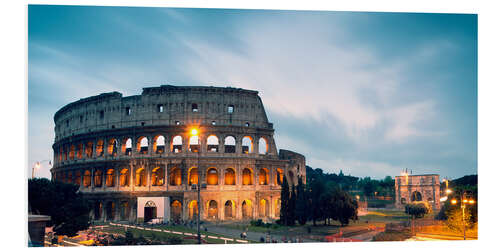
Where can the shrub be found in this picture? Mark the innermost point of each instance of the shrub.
(174, 240)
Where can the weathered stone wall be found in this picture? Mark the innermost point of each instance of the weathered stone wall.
(410, 187)
(90, 149)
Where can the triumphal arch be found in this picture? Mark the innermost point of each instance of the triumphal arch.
(413, 188)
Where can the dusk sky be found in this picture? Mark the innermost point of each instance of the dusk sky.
(370, 94)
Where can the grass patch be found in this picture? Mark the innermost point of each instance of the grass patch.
(162, 236)
(393, 236)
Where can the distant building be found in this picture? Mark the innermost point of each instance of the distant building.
(410, 188)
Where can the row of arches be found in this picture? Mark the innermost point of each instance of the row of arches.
(109, 177)
(142, 146)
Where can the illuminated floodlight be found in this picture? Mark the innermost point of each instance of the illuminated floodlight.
(194, 131)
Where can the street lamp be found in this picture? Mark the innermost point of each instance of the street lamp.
(37, 166)
(194, 132)
(463, 202)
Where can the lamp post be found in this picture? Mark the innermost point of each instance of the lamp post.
(194, 132)
(463, 202)
(37, 166)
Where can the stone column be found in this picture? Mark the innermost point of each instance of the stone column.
(166, 209)
(221, 143)
(203, 143)
(92, 179)
(255, 145)
(220, 209)
(238, 144)
(150, 145)
(148, 170)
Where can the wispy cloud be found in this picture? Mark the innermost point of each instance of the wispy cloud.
(332, 93)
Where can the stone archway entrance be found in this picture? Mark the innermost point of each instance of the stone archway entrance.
(416, 196)
(228, 210)
(176, 210)
(246, 209)
(149, 211)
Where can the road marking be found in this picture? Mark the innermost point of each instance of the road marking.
(71, 243)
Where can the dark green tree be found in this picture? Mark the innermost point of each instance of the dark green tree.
(345, 207)
(68, 210)
(285, 197)
(291, 206)
(317, 188)
(417, 210)
(302, 204)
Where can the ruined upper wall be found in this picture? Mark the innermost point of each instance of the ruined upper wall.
(165, 105)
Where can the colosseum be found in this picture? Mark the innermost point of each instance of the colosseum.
(138, 158)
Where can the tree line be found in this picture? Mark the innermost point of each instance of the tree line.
(321, 199)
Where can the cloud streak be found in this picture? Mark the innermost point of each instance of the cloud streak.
(333, 94)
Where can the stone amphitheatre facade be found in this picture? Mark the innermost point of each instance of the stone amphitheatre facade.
(135, 158)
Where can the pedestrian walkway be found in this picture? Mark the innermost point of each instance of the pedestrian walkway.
(203, 236)
(253, 236)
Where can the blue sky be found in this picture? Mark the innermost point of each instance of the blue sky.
(368, 93)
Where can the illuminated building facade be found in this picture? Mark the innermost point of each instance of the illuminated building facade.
(135, 158)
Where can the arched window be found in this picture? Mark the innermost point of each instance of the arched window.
(177, 144)
(247, 147)
(70, 177)
(72, 152)
(142, 145)
(112, 147)
(229, 177)
(97, 210)
(127, 146)
(212, 176)
(212, 209)
(78, 178)
(194, 107)
(140, 177)
(229, 207)
(89, 149)
(110, 210)
(60, 154)
(291, 176)
(193, 209)
(247, 177)
(403, 201)
(263, 208)
(176, 210)
(110, 177)
(157, 177)
(174, 177)
(98, 178)
(263, 147)
(194, 144)
(79, 151)
(213, 144)
(277, 208)
(124, 177)
(279, 176)
(99, 148)
(193, 176)
(159, 144)
(229, 144)
(124, 211)
(246, 209)
(87, 178)
(263, 176)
